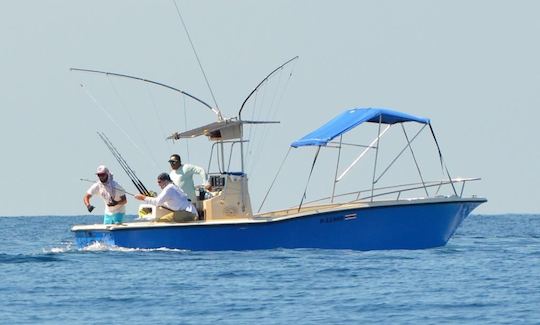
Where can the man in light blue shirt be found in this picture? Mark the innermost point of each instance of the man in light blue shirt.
(182, 176)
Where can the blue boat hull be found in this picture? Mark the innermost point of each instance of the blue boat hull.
(400, 226)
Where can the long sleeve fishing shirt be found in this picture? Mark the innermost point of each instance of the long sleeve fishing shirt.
(172, 198)
(183, 178)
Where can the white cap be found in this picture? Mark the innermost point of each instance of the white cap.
(102, 170)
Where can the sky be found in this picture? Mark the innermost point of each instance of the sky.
(472, 67)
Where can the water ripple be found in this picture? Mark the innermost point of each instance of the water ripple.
(23, 258)
(489, 273)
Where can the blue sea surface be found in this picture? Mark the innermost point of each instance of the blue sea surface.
(489, 273)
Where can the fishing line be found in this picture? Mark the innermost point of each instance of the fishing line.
(186, 127)
(262, 82)
(286, 85)
(258, 139)
(111, 118)
(272, 112)
(255, 91)
(137, 130)
(156, 111)
(217, 112)
(116, 188)
(251, 142)
(259, 115)
(275, 93)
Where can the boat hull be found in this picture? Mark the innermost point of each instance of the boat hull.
(400, 225)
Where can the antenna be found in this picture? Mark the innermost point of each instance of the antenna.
(220, 117)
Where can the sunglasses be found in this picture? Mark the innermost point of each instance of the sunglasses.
(173, 161)
(101, 175)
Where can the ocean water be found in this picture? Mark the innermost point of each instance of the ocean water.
(489, 273)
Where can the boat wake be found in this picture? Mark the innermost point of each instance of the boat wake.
(101, 247)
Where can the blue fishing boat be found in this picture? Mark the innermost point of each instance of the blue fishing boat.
(372, 219)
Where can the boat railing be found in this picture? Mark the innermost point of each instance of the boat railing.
(398, 190)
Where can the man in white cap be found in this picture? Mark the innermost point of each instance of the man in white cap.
(112, 194)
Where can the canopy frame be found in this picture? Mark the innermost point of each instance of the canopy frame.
(340, 125)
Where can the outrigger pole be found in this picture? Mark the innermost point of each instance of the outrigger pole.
(260, 83)
(215, 110)
(123, 163)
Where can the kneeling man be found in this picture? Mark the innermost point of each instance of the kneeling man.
(171, 198)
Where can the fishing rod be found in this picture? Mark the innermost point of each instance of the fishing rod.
(129, 171)
(123, 163)
(124, 166)
(107, 73)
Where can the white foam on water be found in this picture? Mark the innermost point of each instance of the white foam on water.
(98, 247)
(101, 247)
(58, 250)
(68, 246)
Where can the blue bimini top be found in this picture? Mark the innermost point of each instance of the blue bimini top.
(350, 119)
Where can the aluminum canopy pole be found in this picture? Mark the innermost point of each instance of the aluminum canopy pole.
(242, 154)
(222, 148)
(414, 158)
(376, 156)
(370, 146)
(399, 155)
(337, 166)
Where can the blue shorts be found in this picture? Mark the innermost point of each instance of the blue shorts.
(109, 219)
